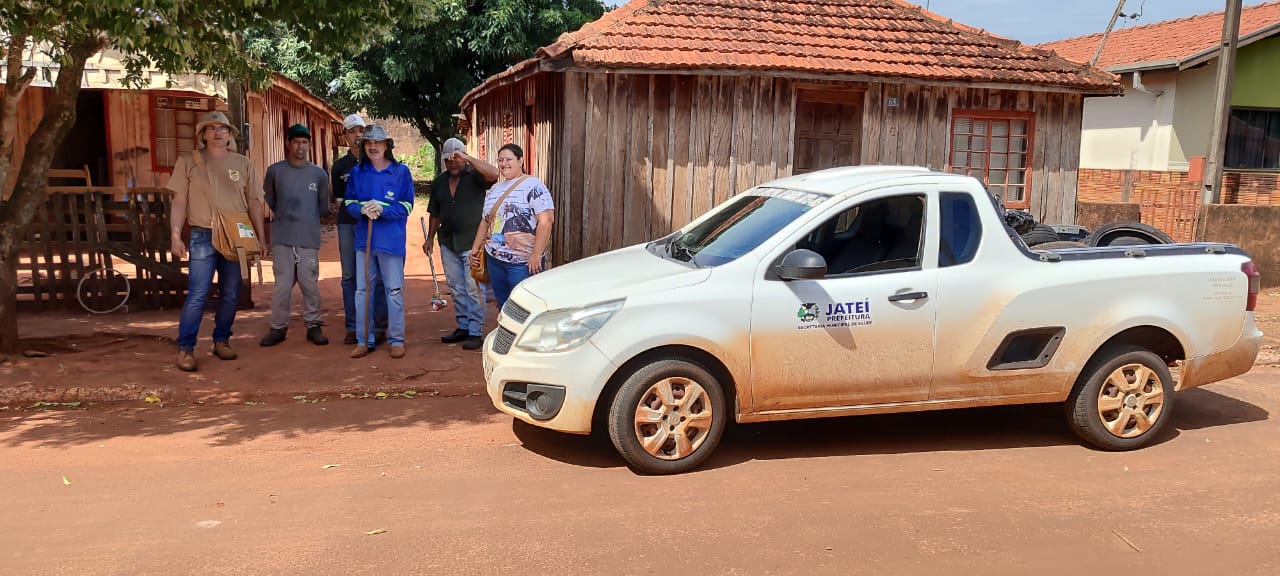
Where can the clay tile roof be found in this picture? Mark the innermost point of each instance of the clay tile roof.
(889, 38)
(1166, 44)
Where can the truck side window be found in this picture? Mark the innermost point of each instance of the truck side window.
(961, 229)
(876, 236)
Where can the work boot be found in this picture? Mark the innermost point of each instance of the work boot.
(360, 351)
(316, 337)
(275, 336)
(397, 351)
(186, 362)
(454, 337)
(473, 343)
(223, 350)
(350, 339)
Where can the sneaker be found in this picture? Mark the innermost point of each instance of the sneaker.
(315, 336)
(397, 351)
(454, 337)
(473, 343)
(186, 362)
(360, 351)
(273, 337)
(223, 350)
(350, 339)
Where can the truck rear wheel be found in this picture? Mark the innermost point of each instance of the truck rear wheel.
(1122, 400)
(667, 417)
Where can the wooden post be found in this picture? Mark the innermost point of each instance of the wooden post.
(1212, 191)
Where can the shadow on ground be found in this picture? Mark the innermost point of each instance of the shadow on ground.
(228, 425)
(974, 429)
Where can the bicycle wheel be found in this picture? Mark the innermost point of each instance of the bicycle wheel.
(103, 290)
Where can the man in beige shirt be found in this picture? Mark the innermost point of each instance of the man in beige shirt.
(224, 178)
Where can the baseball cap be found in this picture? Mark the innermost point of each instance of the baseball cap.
(453, 145)
(352, 121)
(298, 131)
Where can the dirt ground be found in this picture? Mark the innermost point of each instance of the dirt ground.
(129, 356)
(125, 356)
(434, 485)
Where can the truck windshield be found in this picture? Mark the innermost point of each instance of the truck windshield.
(738, 227)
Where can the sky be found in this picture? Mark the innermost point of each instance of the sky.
(1037, 21)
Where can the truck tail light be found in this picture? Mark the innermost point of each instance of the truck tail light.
(1255, 284)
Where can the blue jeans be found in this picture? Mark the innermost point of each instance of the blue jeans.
(468, 296)
(203, 262)
(504, 276)
(390, 269)
(347, 256)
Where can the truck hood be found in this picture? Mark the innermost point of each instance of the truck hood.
(609, 276)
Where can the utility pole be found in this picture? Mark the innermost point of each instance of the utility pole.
(1114, 16)
(1212, 191)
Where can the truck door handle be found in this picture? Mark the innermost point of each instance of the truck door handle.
(908, 296)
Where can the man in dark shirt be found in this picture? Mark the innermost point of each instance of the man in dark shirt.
(456, 206)
(353, 131)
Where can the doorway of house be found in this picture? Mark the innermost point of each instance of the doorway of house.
(828, 129)
(86, 144)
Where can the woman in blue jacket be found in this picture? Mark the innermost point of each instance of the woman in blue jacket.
(380, 190)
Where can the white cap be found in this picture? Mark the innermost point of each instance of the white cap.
(453, 145)
(352, 121)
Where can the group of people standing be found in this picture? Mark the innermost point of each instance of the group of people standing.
(476, 211)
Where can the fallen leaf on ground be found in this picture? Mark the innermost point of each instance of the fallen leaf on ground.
(152, 398)
(65, 482)
(252, 403)
(300, 397)
(410, 393)
(328, 466)
(381, 395)
(373, 532)
(345, 395)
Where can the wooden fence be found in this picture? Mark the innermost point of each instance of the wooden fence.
(81, 228)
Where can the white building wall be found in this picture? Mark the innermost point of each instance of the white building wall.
(1130, 132)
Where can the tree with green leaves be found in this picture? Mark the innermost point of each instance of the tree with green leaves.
(174, 36)
(421, 73)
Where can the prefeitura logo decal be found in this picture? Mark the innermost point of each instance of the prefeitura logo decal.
(808, 312)
(827, 315)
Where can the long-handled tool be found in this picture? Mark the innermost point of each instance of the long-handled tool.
(437, 303)
(368, 283)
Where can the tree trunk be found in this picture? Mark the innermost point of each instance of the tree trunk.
(32, 186)
(15, 86)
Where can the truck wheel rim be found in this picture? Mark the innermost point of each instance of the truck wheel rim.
(673, 418)
(1131, 401)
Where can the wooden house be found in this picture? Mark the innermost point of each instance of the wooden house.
(646, 118)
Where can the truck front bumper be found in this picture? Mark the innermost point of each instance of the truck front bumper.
(552, 390)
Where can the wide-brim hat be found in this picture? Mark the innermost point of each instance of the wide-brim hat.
(215, 117)
(377, 133)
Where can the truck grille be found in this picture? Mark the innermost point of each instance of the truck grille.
(502, 342)
(515, 312)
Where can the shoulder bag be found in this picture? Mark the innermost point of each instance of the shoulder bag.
(481, 271)
(232, 230)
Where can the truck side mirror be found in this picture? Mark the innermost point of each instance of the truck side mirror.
(802, 264)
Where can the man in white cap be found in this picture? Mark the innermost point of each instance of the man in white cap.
(353, 127)
(456, 206)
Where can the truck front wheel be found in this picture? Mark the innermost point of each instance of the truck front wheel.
(1122, 400)
(667, 417)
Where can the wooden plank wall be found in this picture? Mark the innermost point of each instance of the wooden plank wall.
(645, 154)
(129, 128)
(30, 110)
(639, 155)
(917, 132)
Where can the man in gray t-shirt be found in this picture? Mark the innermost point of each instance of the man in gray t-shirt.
(297, 193)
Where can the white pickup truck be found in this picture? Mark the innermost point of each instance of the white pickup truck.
(860, 291)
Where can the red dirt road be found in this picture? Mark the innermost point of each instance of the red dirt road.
(243, 489)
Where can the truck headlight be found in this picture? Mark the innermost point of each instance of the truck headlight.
(561, 330)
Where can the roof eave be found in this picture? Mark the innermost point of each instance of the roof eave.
(1212, 52)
